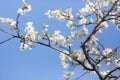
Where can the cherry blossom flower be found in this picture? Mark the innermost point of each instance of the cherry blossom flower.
(117, 62)
(26, 7)
(31, 35)
(70, 24)
(107, 52)
(104, 73)
(67, 75)
(9, 22)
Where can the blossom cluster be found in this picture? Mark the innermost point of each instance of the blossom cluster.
(59, 14)
(60, 40)
(68, 58)
(26, 7)
(30, 37)
(9, 22)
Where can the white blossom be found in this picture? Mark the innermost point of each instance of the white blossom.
(77, 34)
(94, 51)
(69, 40)
(99, 31)
(93, 40)
(29, 27)
(82, 21)
(107, 52)
(64, 57)
(69, 13)
(117, 62)
(104, 73)
(82, 12)
(26, 45)
(70, 24)
(31, 33)
(23, 46)
(89, 8)
(84, 30)
(58, 39)
(105, 3)
(100, 13)
(30, 36)
(45, 25)
(88, 65)
(78, 55)
(9, 22)
(59, 14)
(108, 61)
(48, 14)
(67, 75)
(45, 29)
(103, 25)
(26, 7)
(64, 64)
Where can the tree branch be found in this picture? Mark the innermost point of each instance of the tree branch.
(111, 73)
(7, 40)
(6, 32)
(52, 47)
(81, 76)
(17, 18)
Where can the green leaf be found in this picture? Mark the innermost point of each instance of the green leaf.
(43, 25)
(50, 35)
(111, 1)
(74, 57)
(22, 37)
(60, 9)
(39, 34)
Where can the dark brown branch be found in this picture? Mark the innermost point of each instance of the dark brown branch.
(81, 76)
(52, 47)
(47, 45)
(114, 77)
(104, 57)
(111, 72)
(17, 18)
(101, 45)
(6, 32)
(7, 40)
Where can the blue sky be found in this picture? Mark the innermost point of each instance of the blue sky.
(41, 63)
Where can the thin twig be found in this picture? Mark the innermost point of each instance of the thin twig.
(17, 18)
(6, 32)
(52, 47)
(7, 40)
(81, 76)
(101, 45)
(111, 73)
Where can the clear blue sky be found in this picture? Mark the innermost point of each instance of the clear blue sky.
(41, 63)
